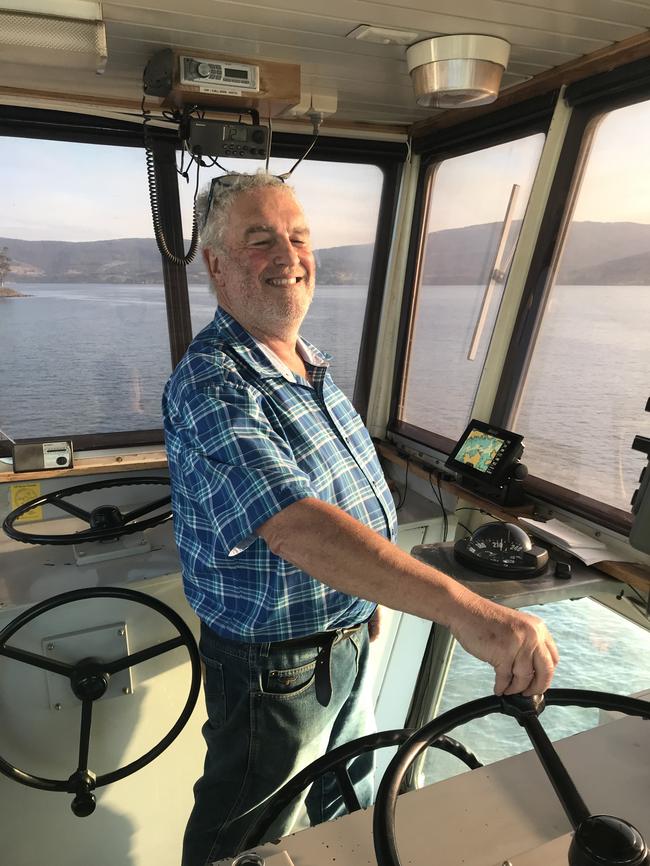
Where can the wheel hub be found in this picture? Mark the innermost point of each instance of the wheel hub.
(89, 681)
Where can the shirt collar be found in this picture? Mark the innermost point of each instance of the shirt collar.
(258, 356)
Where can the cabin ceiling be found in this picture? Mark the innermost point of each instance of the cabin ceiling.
(371, 80)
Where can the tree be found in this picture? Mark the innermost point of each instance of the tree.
(5, 265)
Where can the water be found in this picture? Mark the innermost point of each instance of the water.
(83, 359)
(94, 358)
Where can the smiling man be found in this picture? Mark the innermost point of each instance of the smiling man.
(285, 528)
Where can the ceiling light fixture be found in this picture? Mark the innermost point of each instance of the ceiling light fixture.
(69, 34)
(458, 71)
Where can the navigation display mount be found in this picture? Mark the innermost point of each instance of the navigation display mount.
(487, 459)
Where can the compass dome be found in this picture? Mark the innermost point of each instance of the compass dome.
(497, 530)
(501, 550)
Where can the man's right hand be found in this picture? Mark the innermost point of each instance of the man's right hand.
(517, 645)
(338, 550)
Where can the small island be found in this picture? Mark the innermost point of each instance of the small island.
(6, 292)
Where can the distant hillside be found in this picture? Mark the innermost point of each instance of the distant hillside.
(627, 271)
(591, 244)
(595, 254)
(344, 266)
(128, 260)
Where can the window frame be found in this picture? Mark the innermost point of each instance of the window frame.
(497, 128)
(590, 99)
(388, 156)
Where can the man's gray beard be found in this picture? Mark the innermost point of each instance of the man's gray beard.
(282, 317)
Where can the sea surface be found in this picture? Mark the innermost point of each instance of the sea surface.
(95, 358)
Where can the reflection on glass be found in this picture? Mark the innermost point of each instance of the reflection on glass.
(468, 203)
(587, 385)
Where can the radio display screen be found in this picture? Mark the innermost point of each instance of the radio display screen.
(235, 73)
(235, 133)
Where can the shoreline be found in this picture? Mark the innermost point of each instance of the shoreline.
(6, 292)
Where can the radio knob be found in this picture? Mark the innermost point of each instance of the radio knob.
(203, 69)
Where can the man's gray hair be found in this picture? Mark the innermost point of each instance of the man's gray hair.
(223, 196)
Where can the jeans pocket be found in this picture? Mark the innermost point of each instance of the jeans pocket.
(215, 690)
(288, 682)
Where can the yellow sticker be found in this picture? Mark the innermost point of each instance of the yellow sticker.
(21, 493)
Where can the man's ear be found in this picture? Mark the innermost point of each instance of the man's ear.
(212, 264)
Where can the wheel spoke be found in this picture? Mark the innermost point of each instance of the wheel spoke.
(37, 661)
(71, 509)
(143, 656)
(145, 509)
(347, 789)
(567, 793)
(84, 734)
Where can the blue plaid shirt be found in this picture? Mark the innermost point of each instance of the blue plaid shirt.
(243, 442)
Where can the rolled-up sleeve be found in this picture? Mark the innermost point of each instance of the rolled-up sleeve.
(232, 464)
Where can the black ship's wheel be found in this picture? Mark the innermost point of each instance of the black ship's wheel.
(89, 679)
(598, 840)
(105, 522)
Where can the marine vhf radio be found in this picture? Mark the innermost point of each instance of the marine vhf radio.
(177, 78)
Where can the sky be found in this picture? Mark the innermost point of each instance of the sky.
(76, 192)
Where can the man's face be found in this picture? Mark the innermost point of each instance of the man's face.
(265, 274)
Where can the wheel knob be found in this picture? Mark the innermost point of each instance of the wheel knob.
(83, 804)
(605, 841)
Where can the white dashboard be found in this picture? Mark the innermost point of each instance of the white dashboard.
(504, 813)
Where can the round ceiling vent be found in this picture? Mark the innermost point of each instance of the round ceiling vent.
(457, 71)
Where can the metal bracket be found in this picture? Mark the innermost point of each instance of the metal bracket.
(114, 548)
(105, 642)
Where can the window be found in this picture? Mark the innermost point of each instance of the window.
(341, 201)
(599, 650)
(468, 202)
(83, 325)
(587, 384)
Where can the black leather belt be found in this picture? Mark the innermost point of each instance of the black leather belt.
(324, 640)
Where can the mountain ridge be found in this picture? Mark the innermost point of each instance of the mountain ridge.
(595, 254)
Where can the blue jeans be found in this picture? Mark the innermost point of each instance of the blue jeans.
(264, 725)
